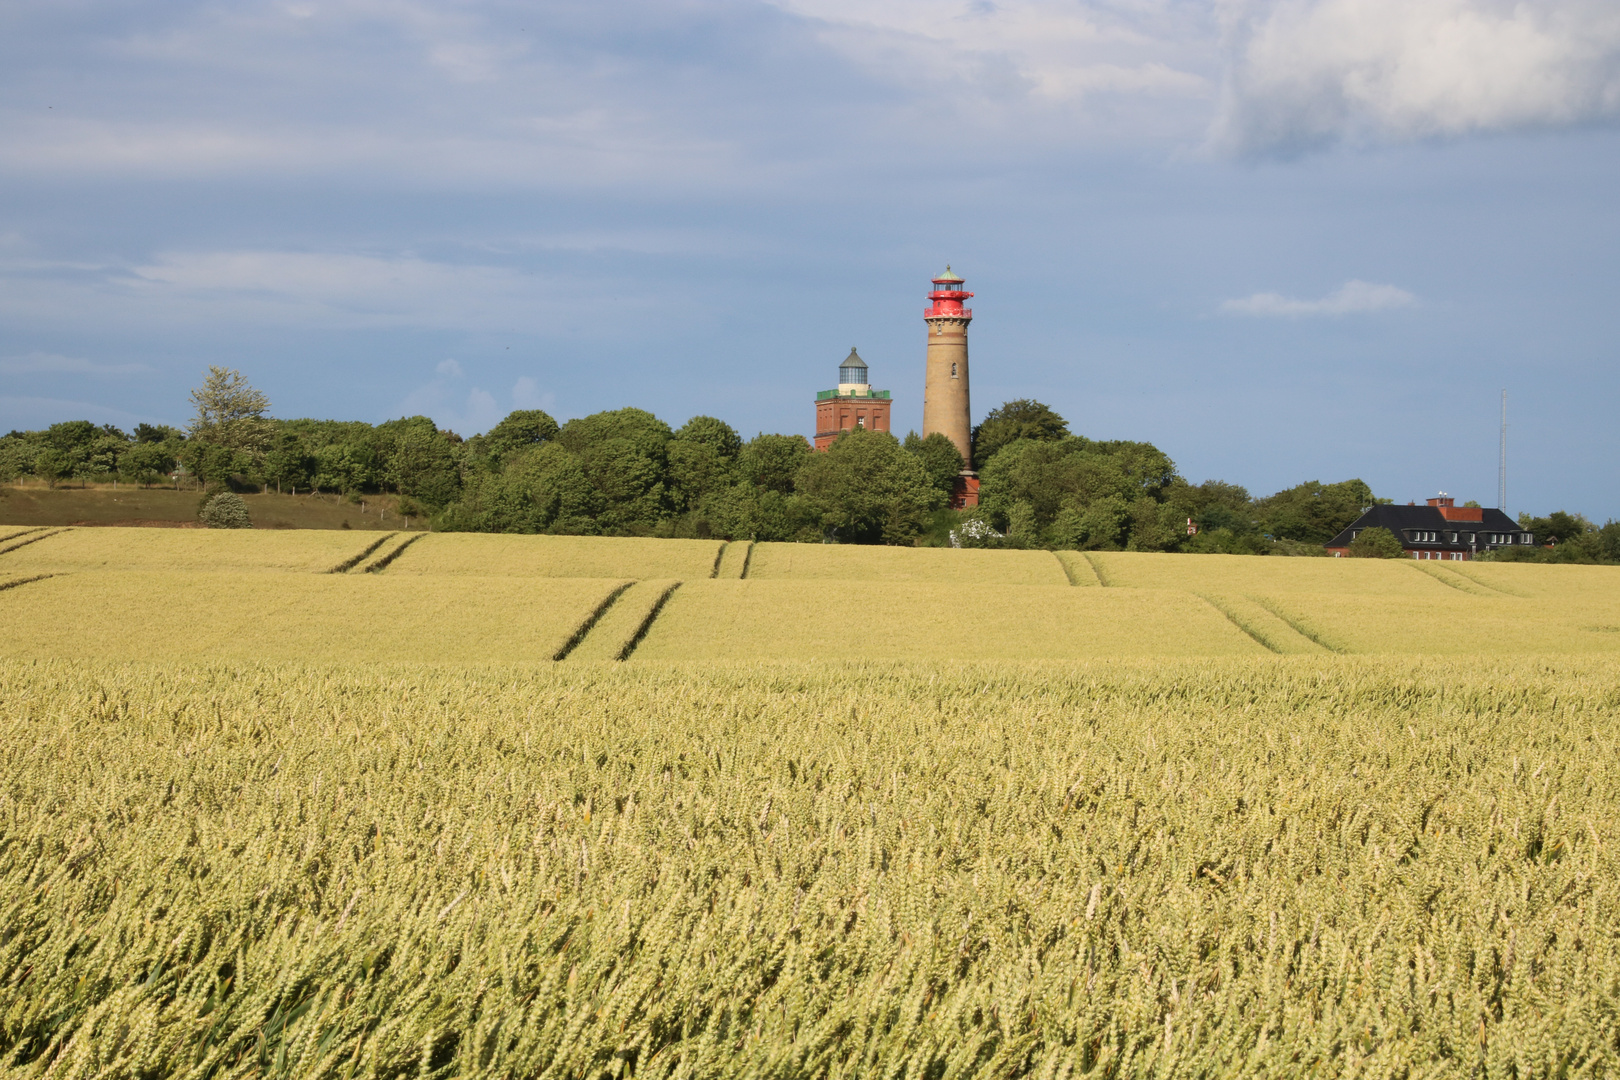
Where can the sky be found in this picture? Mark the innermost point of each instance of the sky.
(1283, 240)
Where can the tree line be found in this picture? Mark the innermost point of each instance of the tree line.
(626, 472)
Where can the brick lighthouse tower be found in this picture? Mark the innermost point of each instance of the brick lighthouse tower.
(945, 384)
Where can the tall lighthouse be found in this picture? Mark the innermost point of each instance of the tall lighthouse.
(945, 385)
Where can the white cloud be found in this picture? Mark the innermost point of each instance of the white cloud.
(466, 412)
(526, 394)
(332, 290)
(1050, 50)
(1305, 73)
(43, 363)
(1351, 298)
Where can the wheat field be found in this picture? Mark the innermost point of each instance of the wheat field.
(939, 566)
(465, 598)
(1318, 866)
(865, 620)
(411, 805)
(559, 556)
(291, 550)
(165, 615)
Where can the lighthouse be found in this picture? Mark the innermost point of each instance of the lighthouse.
(945, 382)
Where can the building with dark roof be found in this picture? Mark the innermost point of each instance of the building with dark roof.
(1439, 530)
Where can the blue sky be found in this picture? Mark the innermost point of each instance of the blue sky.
(1282, 239)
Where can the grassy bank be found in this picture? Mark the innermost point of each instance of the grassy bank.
(36, 504)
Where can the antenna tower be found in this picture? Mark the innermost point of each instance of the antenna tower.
(1501, 468)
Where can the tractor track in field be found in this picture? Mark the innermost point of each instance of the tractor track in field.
(31, 539)
(4, 585)
(353, 561)
(646, 623)
(379, 565)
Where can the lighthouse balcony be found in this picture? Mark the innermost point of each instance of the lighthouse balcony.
(938, 312)
(829, 395)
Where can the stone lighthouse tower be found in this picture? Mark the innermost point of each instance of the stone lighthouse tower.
(945, 386)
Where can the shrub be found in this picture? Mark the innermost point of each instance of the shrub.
(1376, 543)
(225, 511)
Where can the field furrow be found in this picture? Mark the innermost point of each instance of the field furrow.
(1262, 624)
(623, 625)
(734, 560)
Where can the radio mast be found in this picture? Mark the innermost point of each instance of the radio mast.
(1501, 468)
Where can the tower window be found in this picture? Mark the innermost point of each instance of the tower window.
(953, 371)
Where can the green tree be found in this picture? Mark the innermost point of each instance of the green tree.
(156, 433)
(708, 431)
(542, 488)
(624, 453)
(51, 465)
(106, 453)
(939, 457)
(230, 412)
(1070, 476)
(1558, 527)
(521, 430)
(1376, 543)
(148, 461)
(1014, 420)
(772, 462)
(345, 466)
(1100, 524)
(1608, 541)
(1314, 512)
(289, 464)
(868, 489)
(746, 512)
(702, 457)
(417, 460)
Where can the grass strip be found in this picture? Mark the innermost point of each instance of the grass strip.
(1477, 580)
(1231, 617)
(714, 572)
(1300, 625)
(591, 620)
(349, 564)
(23, 581)
(747, 558)
(1444, 578)
(1096, 568)
(20, 532)
(1068, 571)
(652, 615)
(382, 563)
(31, 540)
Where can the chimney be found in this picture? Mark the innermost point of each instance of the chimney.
(1452, 512)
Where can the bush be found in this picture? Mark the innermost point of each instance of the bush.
(1376, 543)
(225, 511)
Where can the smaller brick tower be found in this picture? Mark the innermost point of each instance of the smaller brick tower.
(853, 405)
